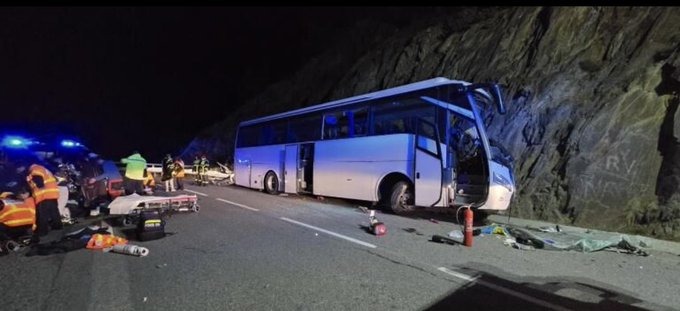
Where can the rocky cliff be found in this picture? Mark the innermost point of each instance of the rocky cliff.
(591, 120)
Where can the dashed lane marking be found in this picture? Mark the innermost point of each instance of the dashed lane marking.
(238, 204)
(337, 235)
(196, 192)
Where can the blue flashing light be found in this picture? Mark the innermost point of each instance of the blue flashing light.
(15, 142)
(69, 143)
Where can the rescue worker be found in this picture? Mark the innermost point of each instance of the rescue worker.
(149, 181)
(203, 170)
(45, 192)
(168, 172)
(17, 219)
(179, 173)
(134, 173)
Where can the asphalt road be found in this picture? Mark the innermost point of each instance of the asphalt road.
(246, 250)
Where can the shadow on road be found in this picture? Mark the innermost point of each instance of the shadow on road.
(489, 291)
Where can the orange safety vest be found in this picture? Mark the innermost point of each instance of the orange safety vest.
(16, 215)
(179, 168)
(101, 241)
(149, 181)
(50, 191)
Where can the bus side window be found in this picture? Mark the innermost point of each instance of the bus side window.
(331, 127)
(360, 120)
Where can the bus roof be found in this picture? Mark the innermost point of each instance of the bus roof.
(346, 101)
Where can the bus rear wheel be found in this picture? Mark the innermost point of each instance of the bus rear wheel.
(401, 198)
(271, 183)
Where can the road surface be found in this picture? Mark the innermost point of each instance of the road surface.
(247, 250)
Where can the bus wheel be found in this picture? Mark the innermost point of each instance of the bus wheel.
(271, 183)
(401, 198)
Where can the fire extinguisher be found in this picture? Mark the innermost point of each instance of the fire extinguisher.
(467, 237)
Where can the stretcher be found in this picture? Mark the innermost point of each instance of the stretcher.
(130, 206)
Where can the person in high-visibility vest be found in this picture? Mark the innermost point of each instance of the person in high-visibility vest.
(149, 181)
(203, 170)
(134, 173)
(45, 191)
(179, 173)
(197, 163)
(17, 219)
(168, 173)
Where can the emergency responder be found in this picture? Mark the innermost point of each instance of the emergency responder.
(149, 181)
(194, 168)
(17, 219)
(45, 192)
(134, 173)
(179, 173)
(168, 172)
(203, 170)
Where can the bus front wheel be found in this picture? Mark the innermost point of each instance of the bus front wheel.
(401, 198)
(271, 183)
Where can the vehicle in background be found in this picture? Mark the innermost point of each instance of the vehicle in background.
(89, 179)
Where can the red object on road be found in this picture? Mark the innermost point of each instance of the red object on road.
(467, 237)
(379, 229)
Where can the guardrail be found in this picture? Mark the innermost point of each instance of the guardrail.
(157, 168)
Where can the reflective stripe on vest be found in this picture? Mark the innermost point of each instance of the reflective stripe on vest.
(15, 216)
(51, 189)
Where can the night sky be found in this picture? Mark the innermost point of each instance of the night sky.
(149, 79)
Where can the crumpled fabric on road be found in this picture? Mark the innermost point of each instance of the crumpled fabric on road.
(577, 241)
(104, 241)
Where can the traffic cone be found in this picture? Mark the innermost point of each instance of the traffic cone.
(467, 237)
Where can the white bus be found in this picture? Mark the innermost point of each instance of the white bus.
(421, 144)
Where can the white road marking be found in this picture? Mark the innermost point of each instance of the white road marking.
(237, 204)
(504, 290)
(196, 192)
(458, 275)
(337, 235)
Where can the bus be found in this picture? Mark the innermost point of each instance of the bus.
(418, 145)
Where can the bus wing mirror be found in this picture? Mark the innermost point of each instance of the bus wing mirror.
(498, 98)
(494, 91)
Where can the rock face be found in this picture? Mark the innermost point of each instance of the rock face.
(592, 122)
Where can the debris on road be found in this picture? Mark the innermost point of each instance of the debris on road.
(554, 238)
(104, 242)
(377, 228)
(456, 234)
(432, 220)
(445, 240)
(413, 230)
(130, 249)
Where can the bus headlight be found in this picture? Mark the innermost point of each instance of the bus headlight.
(501, 180)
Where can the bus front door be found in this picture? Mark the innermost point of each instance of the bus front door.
(290, 169)
(306, 168)
(428, 165)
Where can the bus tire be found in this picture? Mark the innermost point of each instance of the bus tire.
(401, 197)
(271, 183)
